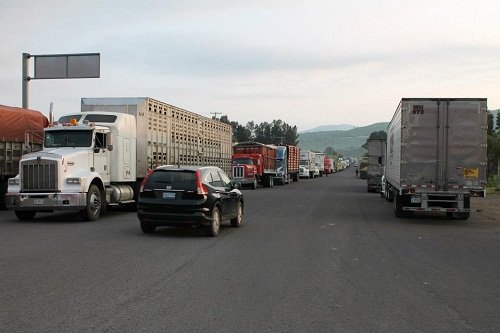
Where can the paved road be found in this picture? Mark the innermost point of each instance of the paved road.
(320, 255)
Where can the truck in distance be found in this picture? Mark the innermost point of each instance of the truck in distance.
(319, 160)
(376, 159)
(308, 164)
(436, 155)
(287, 164)
(254, 163)
(99, 157)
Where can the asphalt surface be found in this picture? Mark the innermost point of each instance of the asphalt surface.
(319, 255)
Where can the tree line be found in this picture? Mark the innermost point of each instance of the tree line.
(493, 145)
(276, 132)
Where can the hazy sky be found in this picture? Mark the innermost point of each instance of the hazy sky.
(308, 63)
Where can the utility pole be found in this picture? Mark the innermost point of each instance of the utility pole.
(26, 78)
(215, 113)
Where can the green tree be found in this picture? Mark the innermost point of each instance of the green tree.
(330, 152)
(491, 125)
(275, 132)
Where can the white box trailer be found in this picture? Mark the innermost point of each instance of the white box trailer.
(436, 155)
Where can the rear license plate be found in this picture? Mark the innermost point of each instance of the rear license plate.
(416, 200)
(38, 201)
(168, 195)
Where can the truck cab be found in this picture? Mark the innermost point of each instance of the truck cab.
(87, 161)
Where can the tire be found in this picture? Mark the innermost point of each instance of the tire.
(397, 205)
(254, 184)
(92, 210)
(238, 220)
(213, 229)
(147, 228)
(25, 215)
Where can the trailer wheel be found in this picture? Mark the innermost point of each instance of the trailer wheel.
(25, 215)
(397, 205)
(92, 210)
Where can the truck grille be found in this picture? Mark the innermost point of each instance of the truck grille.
(238, 172)
(39, 175)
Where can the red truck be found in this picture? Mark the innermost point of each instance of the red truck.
(328, 166)
(254, 163)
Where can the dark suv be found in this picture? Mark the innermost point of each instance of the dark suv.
(199, 196)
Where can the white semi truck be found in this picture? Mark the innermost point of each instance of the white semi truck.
(99, 157)
(319, 160)
(307, 162)
(436, 155)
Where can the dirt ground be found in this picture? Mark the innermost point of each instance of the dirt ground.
(489, 207)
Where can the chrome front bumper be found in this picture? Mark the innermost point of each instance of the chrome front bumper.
(45, 201)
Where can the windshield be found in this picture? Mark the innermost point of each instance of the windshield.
(304, 162)
(243, 161)
(54, 139)
(279, 163)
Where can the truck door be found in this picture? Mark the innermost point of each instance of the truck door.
(421, 132)
(101, 154)
(466, 123)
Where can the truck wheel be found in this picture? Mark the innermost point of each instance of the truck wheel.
(25, 215)
(213, 229)
(93, 209)
(238, 220)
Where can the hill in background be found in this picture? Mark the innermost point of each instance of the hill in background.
(329, 128)
(346, 142)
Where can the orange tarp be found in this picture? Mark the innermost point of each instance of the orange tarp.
(14, 122)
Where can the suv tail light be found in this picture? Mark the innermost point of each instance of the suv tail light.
(200, 188)
(141, 189)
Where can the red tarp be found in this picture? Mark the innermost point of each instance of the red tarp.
(14, 122)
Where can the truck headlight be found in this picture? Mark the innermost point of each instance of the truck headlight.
(14, 181)
(73, 181)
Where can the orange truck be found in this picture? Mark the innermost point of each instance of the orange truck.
(254, 163)
(20, 133)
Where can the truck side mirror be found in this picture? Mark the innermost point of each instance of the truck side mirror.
(109, 147)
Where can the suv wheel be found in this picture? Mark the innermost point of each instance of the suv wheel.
(238, 220)
(25, 215)
(213, 229)
(147, 228)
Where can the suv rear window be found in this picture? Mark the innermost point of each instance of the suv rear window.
(178, 180)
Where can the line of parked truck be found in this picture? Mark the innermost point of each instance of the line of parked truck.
(99, 157)
(434, 158)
